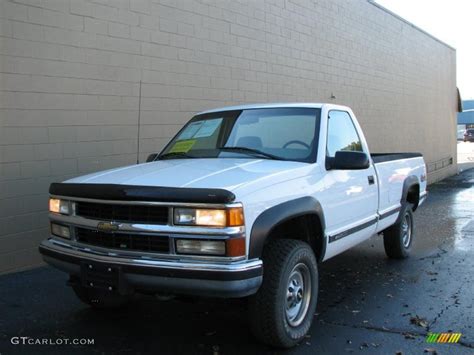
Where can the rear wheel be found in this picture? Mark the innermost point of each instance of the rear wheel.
(283, 309)
(398, 238)
(100, 298)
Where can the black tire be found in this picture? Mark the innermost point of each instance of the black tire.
(269, 317)
(398, 238)
(100, 299)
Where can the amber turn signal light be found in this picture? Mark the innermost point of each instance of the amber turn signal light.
(235, 247)
(235, 216)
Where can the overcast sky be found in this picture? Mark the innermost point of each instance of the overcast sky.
(452, 21)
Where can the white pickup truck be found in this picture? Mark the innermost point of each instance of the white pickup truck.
(244, 201)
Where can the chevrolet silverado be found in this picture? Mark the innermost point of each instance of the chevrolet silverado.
(244, 201)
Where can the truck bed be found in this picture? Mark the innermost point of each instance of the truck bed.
(384, 157)
(393, 169)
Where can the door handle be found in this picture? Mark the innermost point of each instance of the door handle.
(371, 179)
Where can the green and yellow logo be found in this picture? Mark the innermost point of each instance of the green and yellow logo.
(443, 337)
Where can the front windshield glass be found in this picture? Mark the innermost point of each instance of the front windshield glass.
(273, 133)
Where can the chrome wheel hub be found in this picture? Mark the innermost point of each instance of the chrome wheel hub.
(298, 295)
(406, 230)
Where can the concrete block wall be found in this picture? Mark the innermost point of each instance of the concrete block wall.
(70, 73)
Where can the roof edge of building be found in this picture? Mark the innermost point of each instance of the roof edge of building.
(374, 3)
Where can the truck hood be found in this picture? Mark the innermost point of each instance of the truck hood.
(226, 173)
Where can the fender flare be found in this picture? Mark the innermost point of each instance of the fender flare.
(274, 216)
(407, 184)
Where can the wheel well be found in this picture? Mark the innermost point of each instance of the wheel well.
(413, 195)
(307, 228)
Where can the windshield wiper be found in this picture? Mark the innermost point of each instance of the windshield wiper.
(250, 151)
(174, 155)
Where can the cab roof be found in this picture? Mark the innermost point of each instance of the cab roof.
(267, 105)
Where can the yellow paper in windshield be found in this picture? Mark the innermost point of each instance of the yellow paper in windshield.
(183, 146)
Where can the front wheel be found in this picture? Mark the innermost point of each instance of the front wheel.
(283, 309)
(398, 238)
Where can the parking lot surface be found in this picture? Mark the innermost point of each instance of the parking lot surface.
(465, 155)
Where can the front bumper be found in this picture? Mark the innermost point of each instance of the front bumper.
(237, 279)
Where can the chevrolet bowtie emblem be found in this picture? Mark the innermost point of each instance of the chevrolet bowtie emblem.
(108, 227)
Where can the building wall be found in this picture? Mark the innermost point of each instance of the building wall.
(70, 73)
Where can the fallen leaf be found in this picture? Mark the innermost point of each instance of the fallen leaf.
(421, 322)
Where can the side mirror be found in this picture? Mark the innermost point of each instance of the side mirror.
(348, 160)
(151, 157)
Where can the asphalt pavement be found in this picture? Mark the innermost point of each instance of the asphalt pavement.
(368, 304)
(465, 156)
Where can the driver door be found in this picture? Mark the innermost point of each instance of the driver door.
(351, 197)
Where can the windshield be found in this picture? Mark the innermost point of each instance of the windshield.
(274, 133)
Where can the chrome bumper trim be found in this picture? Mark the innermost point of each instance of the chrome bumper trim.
(151, 203)
(78, 221)
(65, 249)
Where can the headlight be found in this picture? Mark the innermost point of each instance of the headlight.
(59, 206)
(60, 231)
(209, 217)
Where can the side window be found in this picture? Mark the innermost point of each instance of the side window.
(342, 134)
